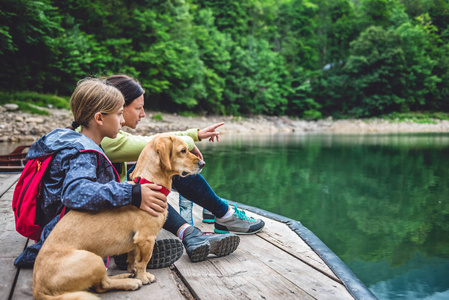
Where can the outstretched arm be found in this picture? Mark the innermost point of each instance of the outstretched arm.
(210, 132)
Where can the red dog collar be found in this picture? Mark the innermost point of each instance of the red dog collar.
(163, 190)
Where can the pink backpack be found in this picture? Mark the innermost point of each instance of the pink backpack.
(26, 195)
(27, 192)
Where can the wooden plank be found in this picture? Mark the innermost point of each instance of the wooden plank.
(167, 286)
(258, 269)
(11, 243)
(7, 180)
(277, 252)
(24, 285)
(308, 278)
(7, 221)
(289, 242)
(164, 288)
(237, 276)
(279, 234)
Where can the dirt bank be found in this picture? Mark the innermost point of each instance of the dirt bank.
(19, 127)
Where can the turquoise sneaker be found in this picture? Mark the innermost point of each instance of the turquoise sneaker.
(208, 217)
(240, 223)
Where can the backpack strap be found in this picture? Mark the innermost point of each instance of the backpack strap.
(107, 159)
(62, 214)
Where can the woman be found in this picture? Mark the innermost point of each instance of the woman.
(127, 147)
(81, 176)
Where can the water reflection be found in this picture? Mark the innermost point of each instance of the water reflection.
(380, 202)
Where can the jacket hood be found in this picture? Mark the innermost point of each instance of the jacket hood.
(60, 139)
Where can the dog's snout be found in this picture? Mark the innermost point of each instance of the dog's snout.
(201, 164)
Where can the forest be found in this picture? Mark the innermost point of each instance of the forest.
(305, 58)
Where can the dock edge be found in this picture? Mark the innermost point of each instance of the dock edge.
(353, 284)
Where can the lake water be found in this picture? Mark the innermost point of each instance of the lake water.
(380, 202)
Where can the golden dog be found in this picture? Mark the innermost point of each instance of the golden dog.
(71, 259)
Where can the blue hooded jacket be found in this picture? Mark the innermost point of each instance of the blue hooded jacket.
(80, 177)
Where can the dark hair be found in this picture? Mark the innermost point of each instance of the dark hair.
(130, 87)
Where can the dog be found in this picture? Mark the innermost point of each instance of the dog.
(71, 259)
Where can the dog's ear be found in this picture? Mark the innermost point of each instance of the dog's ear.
(164, 148)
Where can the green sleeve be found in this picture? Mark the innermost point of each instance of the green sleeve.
(127, 147)
(192, 133)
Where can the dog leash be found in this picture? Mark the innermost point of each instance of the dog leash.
(163, 190)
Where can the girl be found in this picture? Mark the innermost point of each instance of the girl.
(127, 147)
(81, 176)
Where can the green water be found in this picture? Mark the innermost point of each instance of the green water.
(380, 202)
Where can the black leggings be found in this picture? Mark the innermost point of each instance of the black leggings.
(196, 189)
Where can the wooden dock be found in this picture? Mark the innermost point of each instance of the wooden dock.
(275, 263)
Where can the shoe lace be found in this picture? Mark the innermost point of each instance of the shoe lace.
(242, 215)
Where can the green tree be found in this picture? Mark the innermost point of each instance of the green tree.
(237, 57)
(374, 83)
(420, 82)
(230, 16)
(440, 96)
(295, 34)
(337, 25)
(300, 97)
(169, 66)
(214, 47)
(391, 69)
(257, 80)
(377, 12)
(28, 29)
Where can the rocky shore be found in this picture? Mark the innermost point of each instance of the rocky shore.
(16, 126)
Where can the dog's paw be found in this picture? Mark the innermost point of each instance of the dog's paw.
(148, 278)
(134, 284)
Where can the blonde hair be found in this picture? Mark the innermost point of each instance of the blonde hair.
(93, 95)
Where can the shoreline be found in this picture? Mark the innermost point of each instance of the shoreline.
(16, 127)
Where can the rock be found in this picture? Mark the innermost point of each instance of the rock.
(37, 120)
(11, 107)
(19, 126)
(19, 118)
